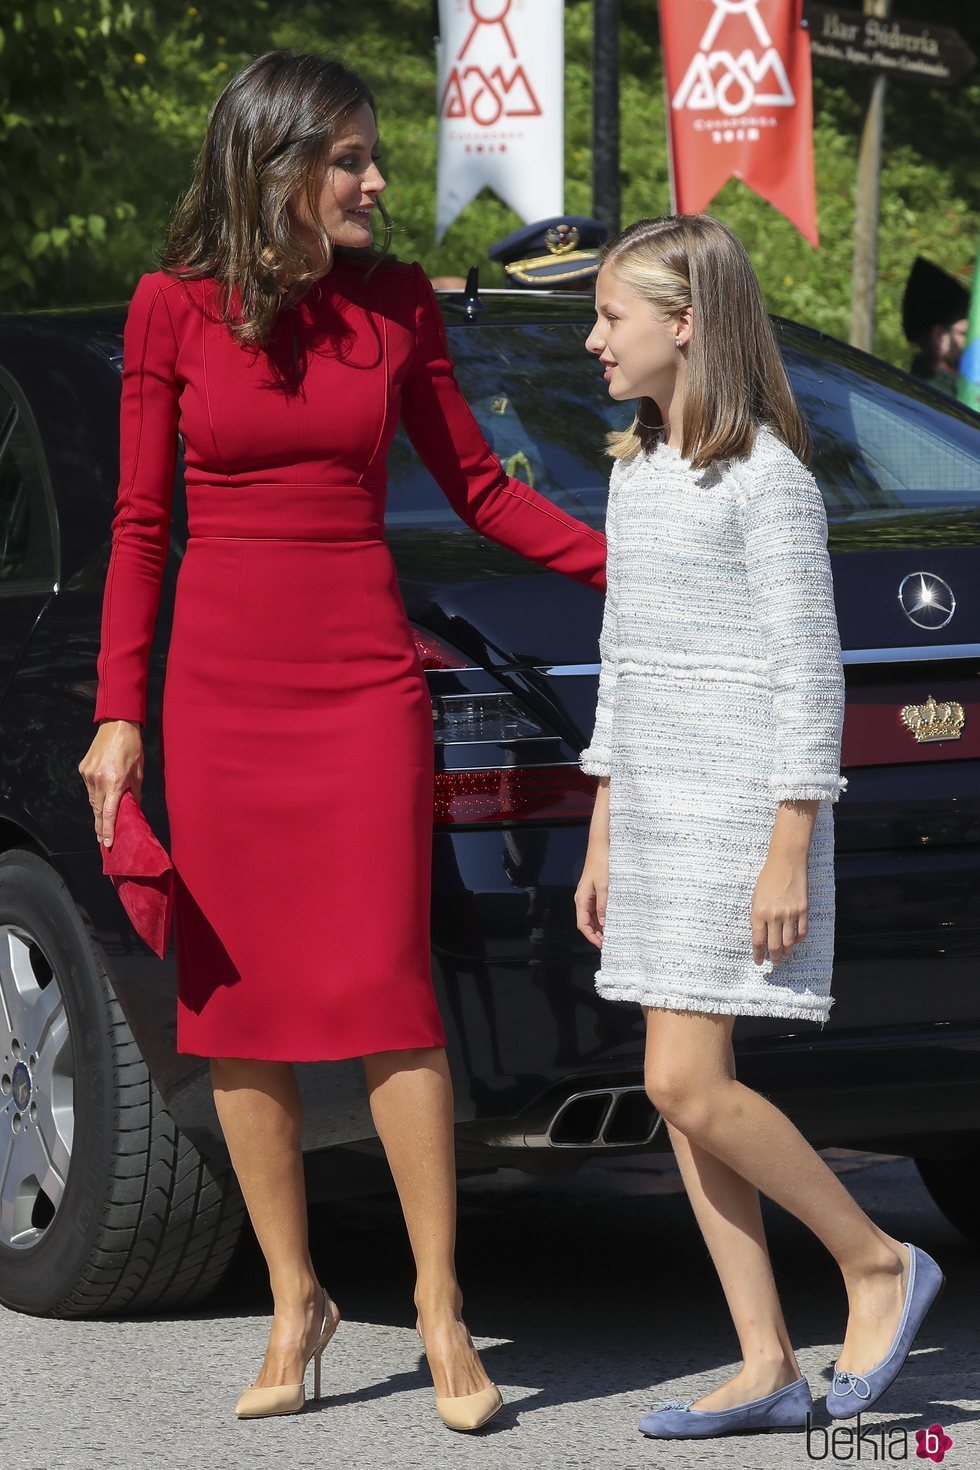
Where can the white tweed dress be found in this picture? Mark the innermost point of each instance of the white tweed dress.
(721, 693)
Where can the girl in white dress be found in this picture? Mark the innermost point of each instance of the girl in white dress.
(708, 884)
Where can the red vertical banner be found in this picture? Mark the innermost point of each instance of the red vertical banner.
(740, 103)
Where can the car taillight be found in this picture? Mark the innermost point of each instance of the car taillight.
(514, 794)
(460, 719)
(435, 654)
(496, 761)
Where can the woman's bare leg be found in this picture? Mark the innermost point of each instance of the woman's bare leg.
(412, 1105)
(690, 1078)
(259, 1110)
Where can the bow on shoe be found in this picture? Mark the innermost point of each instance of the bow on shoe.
(674, 1404)
(845, 1383)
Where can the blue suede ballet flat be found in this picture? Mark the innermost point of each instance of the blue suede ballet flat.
(855, 1393)
(787, 1408)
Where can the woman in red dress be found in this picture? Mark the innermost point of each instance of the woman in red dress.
(297, 726)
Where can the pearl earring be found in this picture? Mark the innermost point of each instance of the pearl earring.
(677, 341)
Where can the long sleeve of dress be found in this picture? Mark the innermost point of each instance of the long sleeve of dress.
(449, 441)
(791, 591)
(141, 521)
(595, 760)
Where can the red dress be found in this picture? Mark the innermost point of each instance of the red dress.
(297, 725)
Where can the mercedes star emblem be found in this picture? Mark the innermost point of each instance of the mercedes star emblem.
(927, 601)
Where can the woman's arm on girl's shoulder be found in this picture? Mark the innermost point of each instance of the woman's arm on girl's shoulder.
(140, 527)
(441, 426)
(791, 587)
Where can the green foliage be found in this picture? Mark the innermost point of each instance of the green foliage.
(103, 106)
(65, 81)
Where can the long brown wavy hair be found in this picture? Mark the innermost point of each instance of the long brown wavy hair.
(267, 140)
(735, 375)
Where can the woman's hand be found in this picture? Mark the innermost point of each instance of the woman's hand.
(112, 764)
(593, 888)
(779, 908)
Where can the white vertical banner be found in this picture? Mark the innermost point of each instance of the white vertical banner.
(501, 106)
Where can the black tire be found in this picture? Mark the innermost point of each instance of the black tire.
(955, 1188)
(143, 1220)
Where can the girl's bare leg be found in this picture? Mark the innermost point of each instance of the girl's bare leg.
(259, 1110)
(690, 1079)
(412, 1105)
(730, 1218)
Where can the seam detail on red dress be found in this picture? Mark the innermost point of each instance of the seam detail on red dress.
(387, 384)
(288, 484)
(583, 529)
(218, 456)
(303, 540)
(101, 669)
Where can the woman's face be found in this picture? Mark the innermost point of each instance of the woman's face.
(351, 183)
(636, 347)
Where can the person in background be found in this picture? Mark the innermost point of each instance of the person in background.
(557, 254)
(934, 317)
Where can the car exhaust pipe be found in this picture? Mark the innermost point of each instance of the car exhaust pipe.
(610, 1117)
(595, 1118)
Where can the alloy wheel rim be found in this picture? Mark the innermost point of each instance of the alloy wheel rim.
(37, 1091)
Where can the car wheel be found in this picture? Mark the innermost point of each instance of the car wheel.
(954, 1188)
(104, 1205)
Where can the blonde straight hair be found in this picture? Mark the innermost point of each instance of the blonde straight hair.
(735, 375)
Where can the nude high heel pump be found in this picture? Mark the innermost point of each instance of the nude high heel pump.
(470, 1410)
(289, 1398)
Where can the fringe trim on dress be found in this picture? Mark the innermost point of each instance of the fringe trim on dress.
(792, 792)
(817, 1008)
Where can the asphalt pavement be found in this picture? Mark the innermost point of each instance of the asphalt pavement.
(590, 1296)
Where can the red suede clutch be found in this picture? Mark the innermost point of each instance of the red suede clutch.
(142, 874)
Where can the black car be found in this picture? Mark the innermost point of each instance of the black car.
(115, 1189)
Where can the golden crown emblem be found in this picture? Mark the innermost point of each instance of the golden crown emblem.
(932, 721)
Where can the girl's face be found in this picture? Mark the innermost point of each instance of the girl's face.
(351, 183)
(637, 348)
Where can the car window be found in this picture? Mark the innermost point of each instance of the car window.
(542, 405)
(26, 545)
(881, 449)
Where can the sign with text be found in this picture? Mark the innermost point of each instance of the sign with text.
(739, 103)
(909, 49)
(501, 106)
